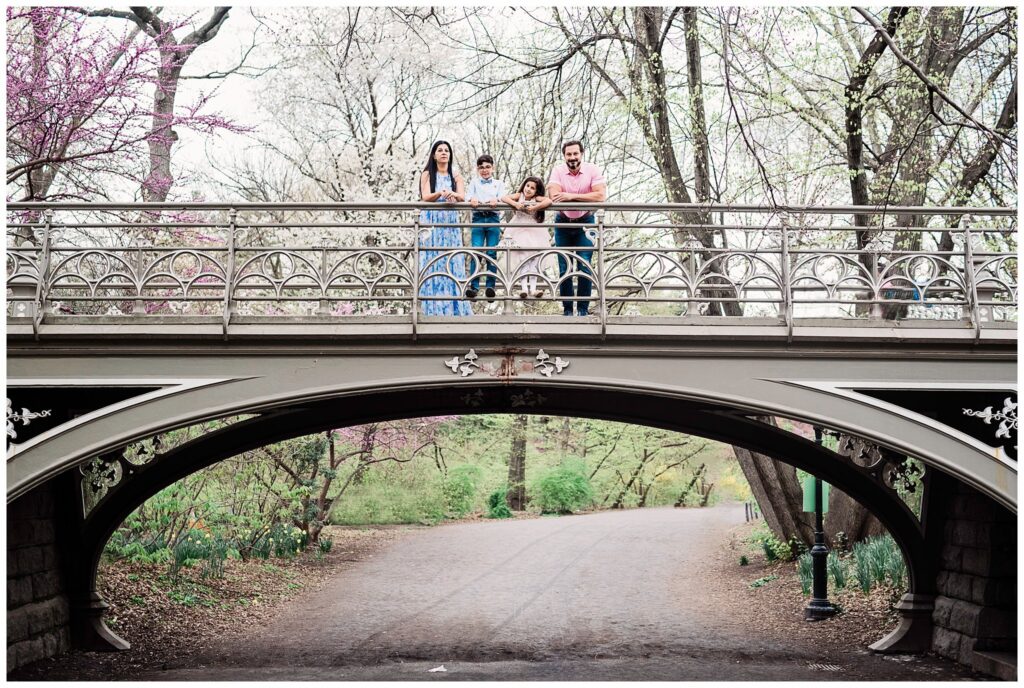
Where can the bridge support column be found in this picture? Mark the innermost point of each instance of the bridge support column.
(914, 634)
(37, 602)
(88, 631)
(975, 612)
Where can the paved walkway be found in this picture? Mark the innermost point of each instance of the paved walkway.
(613, 595)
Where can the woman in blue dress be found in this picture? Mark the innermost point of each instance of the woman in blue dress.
(438, 231)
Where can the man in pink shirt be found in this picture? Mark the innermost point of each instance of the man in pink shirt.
(575, 182)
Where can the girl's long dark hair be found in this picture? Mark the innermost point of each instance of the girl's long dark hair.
(432, 165)
(540, 192)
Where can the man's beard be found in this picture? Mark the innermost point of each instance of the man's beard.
(573, 164)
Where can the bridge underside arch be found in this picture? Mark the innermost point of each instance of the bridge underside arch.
(861, 398)
(711, 421)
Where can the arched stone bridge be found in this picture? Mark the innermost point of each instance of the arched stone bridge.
(110, 346)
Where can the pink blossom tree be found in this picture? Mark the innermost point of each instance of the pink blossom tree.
(83, 98)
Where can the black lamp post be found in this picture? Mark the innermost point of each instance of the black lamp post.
(819, 607)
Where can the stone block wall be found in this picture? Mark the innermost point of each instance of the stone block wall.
(37, 608)
(976, 606)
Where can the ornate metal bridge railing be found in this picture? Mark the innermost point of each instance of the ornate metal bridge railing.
(375, 263)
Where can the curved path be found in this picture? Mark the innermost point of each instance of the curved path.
(606, 595)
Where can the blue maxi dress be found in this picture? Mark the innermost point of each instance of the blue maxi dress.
(437, 232)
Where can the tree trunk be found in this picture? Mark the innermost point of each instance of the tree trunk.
(517, 464)
(849, 517)
(621, 497)
(173, 56)
(778, 494)
(564, 436)
(698, 473)
(698, 127)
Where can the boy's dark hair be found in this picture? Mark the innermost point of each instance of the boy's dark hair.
(484, 158)
(572, 143)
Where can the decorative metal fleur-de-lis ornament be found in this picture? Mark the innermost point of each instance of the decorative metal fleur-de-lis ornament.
(465, 367)
(545, 366)
(25, 417)
(1007, 418)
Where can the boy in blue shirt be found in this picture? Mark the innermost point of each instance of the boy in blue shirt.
(487, 191)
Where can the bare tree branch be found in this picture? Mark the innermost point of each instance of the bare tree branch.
(929, 84)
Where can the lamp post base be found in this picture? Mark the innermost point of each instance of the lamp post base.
(819, 610)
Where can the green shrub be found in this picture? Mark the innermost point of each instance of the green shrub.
(805, 568)
(743, 560)
(460, 489)
(217, 552)
(286, 541)
(190, 549)
(324, 544)
(862, 565)
(497, 504)
(878, 560)
(775, 549)
(837, 570)
(563, 489)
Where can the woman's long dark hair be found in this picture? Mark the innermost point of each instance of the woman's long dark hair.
(432, 165)
(540, 192)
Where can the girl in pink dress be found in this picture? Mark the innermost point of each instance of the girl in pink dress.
(526, 233)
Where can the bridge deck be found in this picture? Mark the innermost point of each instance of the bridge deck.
(512, 328)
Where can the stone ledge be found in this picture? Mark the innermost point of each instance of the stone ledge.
(1002, 665)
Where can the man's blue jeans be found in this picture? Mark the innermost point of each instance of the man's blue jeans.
(575, 236)
(481, 237)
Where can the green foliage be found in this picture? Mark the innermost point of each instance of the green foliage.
(415, 495)
(324, 544)
(879, 560)
(761, 582)
(774, 549)
(837, 570)
(248, 502)
(862, 564)
(122, 546)
(197, 546)
(497, 504)
(805, 569)
(744, 561)
(563, 489)
(460, 489)
(285, 541)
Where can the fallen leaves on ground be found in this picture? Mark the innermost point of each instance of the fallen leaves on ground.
(776, 608)
(164, 621)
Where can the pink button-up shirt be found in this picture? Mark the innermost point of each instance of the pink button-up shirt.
(580, 183)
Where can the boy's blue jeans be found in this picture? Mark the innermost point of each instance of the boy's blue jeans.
(573, 236)
(481, 237)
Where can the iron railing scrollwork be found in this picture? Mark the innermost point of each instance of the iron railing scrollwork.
(795, 267)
